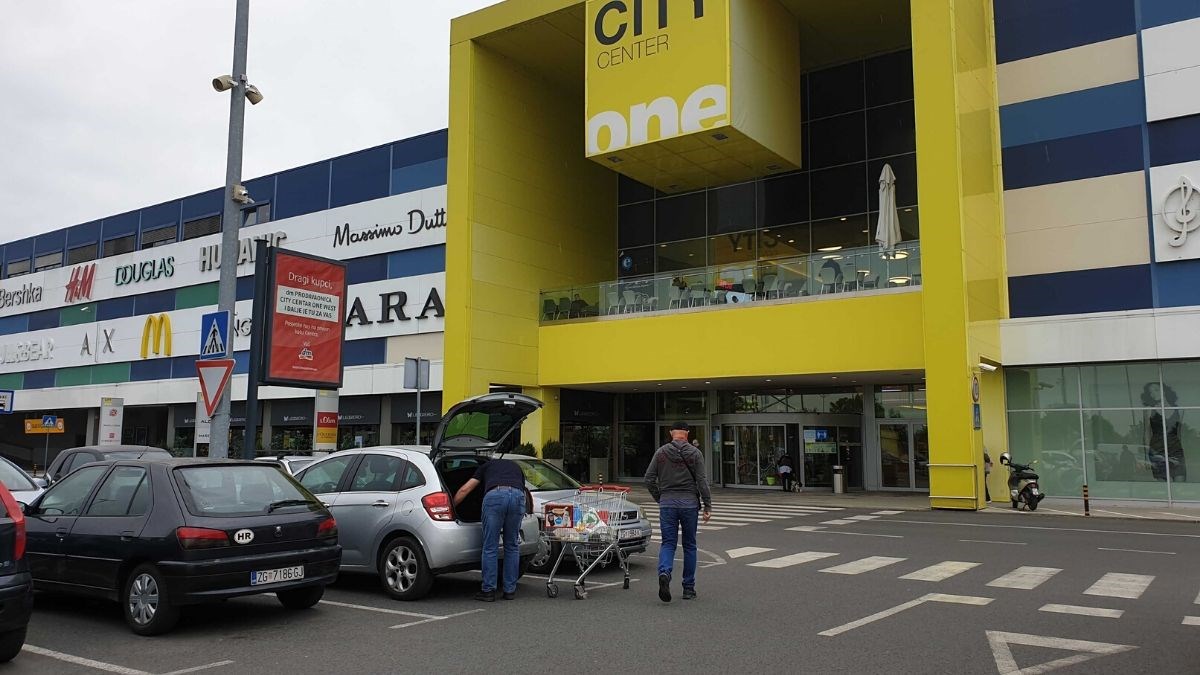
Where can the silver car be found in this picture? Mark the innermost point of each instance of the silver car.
(394, 507)
(24, 488)
(290, 463)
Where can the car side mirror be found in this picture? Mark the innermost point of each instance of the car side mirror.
(23, 506)
(41, 482)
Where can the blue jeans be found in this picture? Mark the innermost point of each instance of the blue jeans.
(670, 519)
(503, 509)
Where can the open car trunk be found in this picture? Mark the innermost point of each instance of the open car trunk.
(455, 472)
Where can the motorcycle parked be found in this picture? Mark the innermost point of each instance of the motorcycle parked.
(1022, 484)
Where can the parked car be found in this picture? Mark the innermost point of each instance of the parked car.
(156, 534)
(73, 458)
(547, 483)
(394, 505)
(24, 488)
(290, 463)
(16, 585)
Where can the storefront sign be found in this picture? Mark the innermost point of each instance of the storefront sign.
(104, 342)
(112, 419)
(392, 309)
(210, 256)
(1176, 200)
(203, 424)
(28, 294)
(156, 335)
(145, 271)
(417, 222)
(305, 326)
(325, 431)
(29, 351)
(79, 287)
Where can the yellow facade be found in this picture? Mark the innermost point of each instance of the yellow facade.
(529, 211)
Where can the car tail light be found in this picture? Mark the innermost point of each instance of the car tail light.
(18, 518)
(327, 528)
(201, 537)
(438, 506)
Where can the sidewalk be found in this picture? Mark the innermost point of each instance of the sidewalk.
(1110, 509)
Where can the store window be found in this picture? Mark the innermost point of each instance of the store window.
(906, 401)
(120, 245)
(201, 227)
(48, 261)
(18, 267)
(160, 236)
(82, 254)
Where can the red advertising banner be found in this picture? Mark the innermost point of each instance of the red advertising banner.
(305, 330)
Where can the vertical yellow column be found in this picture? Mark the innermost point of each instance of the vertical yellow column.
(961, 232)
(457, 336)
(543, 425)
(995, 430)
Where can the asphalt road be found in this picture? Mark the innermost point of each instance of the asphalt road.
(853, 591)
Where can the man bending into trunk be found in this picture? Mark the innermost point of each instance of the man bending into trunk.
(503, 509)
(677, 481)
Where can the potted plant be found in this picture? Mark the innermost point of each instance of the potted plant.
(527, 449)
(552, 452)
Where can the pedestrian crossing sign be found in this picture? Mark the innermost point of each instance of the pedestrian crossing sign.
(214, 335)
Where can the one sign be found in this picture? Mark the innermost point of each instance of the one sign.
(214, 377)
(38, 426)
(305, 321)
(820, 448)
(325, 421)
(977, 416)
(49, 421)
(112, 420)
(203, 433)
(416, 374)
(975, 389)
(6, 401)
(214, 335)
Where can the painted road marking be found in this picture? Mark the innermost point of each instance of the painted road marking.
(865, 565)
(1049, 529)
(109, 667)
(839, 521)
(1025, 578)
(747, 550)
(451, 616)
(1134, 550)
(786, 507)
(929, 597)
(865, 534)
(727, 522)
(381, 610)
(1191, 620)
(1197, 601)
(1083, 611)
(861, 517)
(1118, 585)
(794, 559)
(887, 513)
(818, 528)
(701, 528)
(992, 541)
(941, 571)
(1007, 665)
(1121, 513)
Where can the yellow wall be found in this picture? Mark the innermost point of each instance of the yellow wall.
(526, 211)
(962, 237)
(870, 333)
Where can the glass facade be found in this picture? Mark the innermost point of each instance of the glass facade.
(1130, 431)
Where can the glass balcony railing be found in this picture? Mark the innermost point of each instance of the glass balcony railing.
(824, 273)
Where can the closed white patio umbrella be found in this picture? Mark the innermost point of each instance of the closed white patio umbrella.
(887, 233)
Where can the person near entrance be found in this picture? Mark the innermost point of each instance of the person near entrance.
(677, 481)
(503, 509)
(784, 467)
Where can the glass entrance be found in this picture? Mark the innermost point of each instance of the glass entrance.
(749, 453)
(904, 455)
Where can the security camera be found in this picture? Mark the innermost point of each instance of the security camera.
(988, 368)
(253, 94)
(224, 83)
(241, 195)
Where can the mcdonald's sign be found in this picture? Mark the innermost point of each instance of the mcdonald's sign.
(156, 335)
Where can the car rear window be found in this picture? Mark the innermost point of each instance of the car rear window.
(240, 490)
(15, 479)
(544, 476)
(135, 454)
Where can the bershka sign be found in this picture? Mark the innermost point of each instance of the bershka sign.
(25, 295)
(305, 326)
(210, 256)
(417, 222)
(145, 271)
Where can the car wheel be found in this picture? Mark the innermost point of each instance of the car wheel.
(404, 571)
(148, 609)
(10, 644)
(543, 561)
(301, 598)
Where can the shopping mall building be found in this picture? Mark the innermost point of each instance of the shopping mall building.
(672, 210)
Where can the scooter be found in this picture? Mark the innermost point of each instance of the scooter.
(1022, 484)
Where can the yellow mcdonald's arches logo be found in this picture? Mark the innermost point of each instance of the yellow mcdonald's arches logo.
(156, 335)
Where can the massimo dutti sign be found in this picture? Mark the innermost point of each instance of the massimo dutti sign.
(417, 222)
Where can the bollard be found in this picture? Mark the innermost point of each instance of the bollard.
(1087, 510)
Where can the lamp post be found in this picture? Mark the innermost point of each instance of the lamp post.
(236, 198)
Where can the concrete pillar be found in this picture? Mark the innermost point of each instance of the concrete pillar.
(543, 425)
(385, 421)
(870, 436)
(265, 422)
(93, 425)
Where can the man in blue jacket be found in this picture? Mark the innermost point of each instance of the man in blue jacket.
(677, 481)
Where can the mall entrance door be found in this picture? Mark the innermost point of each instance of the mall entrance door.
(904, 455)
(750, 446)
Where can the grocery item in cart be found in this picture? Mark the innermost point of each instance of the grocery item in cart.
(559, 516)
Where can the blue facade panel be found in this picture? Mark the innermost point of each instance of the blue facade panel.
(365, 352)
(1088, 156)
(360, 177)
(413, 262)
(1161, 12)
(1108, 289)
(81, 235)
(241, 365)
(1175, 141)
(420, 149)
(261, 190)
(245, 288)
(50, 242)
(1074, 114)
(150, 369)
(39, 379)
(120, 226)
(301, 191)
(419, 176)
(1027, 28)
(203, 205)
(364, 270)
(1177, 283)
(182, 366)
(114, 308)
(154, 217)
(44, 319)
(152, 303)
(19, 250)
(14, 324)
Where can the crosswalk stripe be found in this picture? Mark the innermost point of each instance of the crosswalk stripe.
(1197, 602)
(1118, 585)
(747, 550)
(941, 571)
(839, 521)
(794, 559)
(1083, 611)
(728, 523)
(782, 507)
(861, 517)
(756, 514)
(865, 565)
(1025, 578)
(700, 528)
(805, 528)
(1191, 620)
(887, 513)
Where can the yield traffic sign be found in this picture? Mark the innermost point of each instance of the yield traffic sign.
(214, 377)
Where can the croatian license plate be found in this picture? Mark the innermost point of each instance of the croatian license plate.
(277, 576)
(631, 534)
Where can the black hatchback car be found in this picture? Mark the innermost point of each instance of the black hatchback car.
(72, 458)
(159, 534)
(16, 587)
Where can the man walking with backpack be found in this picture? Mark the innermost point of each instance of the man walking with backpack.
(677, 481)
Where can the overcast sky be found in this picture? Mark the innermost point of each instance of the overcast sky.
(107, 106)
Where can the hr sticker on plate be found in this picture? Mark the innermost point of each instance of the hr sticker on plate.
(243, 536)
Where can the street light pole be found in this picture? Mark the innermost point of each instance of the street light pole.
(231, 220)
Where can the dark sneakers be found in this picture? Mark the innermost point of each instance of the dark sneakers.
(664, 587)
(509, 596)
(486, 596)
(689, 594)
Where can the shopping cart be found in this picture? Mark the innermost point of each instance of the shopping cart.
(586, 526)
